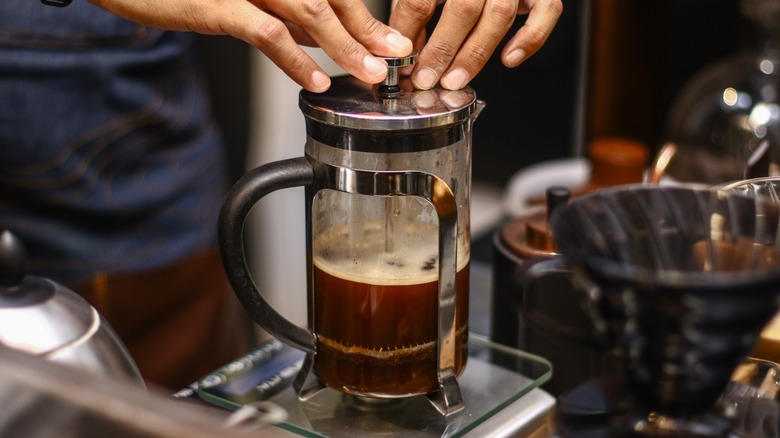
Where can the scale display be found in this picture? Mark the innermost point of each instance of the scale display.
(495, 377)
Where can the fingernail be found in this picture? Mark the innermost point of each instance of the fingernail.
(375, 66)
(455, 80)
(424, 99)
(515, 57)
(398, 41)
(455, 98)
(425, 79)
(320, 80)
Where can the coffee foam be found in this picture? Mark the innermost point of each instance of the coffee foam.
(411, 259)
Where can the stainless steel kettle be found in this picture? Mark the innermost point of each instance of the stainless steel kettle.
(48, 320)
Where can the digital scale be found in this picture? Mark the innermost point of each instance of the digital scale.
(500, 388)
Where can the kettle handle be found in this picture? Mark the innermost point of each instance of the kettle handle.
(239, 201)
(540, 268)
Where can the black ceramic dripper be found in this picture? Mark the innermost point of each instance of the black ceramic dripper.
(681, 280)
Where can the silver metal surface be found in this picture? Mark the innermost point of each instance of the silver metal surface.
(64, 328)
(45, 319)
(393, 64)
(44, 399)
(351, 103)
(524, 418)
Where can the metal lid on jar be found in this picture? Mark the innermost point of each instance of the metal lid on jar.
(392, 105)
(48, 320)
(37, 315)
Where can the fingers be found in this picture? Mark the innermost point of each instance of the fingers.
(418, 44)
(378, 38)
(542, 17)
(319, 21)
(467, 34)
(409, 17)
(461, 44)
(238, 18)
(344, 29)
(271, 36)
(299, 35)
(332, 26)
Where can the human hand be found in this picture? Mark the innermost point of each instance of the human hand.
(344, 29)
(468, 32)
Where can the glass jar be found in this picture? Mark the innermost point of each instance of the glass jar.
(724, 125)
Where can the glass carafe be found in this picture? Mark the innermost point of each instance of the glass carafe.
(387, 173)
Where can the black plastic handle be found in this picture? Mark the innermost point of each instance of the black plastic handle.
(239, 201)
(537, 269)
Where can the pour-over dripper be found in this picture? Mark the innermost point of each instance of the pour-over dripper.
(768, 345)
(768, 187)
(682, 279)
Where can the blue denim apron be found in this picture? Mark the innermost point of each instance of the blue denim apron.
(109, 160)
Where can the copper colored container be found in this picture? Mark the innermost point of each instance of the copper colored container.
(545, 316)
(542, 317)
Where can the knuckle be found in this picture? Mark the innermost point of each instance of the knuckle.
(418, 8)
(468, 9)
(503, 11)
(297, 62)
(477, 55)
(373, 27)
(270, 31)
(313, 9)
(441, 54)
(350, 49)
(534, 36)
(555, 8)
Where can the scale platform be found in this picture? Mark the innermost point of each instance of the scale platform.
(499, 386)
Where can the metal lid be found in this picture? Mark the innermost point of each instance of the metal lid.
(392, 105)
(46, 319)
(37, 315)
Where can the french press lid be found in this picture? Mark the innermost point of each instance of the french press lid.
(392, 105)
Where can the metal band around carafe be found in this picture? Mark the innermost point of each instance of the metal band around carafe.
(439, 194)
(385, 142)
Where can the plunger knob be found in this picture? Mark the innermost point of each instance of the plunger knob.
(389, 88)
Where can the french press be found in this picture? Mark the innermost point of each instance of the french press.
(387, 173)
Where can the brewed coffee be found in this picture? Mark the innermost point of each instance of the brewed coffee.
(387, 187)
(376, 318)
